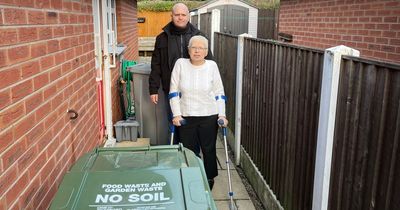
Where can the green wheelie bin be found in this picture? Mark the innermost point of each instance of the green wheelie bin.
(143, 178)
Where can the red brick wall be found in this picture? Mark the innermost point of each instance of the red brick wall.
(128, 35)
(127, 27)
(371, 26)
(46, 67)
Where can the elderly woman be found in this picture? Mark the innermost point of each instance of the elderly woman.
(197, 96)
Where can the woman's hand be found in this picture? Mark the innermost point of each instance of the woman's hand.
(177, 120)
(224, 119)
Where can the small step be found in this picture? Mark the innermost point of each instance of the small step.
(141, 142)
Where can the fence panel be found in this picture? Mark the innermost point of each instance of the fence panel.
(281, 91)
(195, 20)
(267, 26)
(205, 23)
(366, 160)
(225, 50)
(153, 24)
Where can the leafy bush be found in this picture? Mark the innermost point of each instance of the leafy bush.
(166, 5)
(162, 6)
(263, 4)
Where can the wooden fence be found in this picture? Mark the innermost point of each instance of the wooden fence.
(153, 23)
(281, 88)
(366, 157)
(225, 51)
(280, 112)
(267, 26)
(205, 24)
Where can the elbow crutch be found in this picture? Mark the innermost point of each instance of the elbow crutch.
(231, 202)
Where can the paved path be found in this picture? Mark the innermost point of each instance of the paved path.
(221, 188)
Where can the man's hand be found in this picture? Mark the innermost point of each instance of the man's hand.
(154, 98)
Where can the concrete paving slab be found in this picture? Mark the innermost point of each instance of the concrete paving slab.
(221, 159)
(141, 142)
(218, 164)
(219, 144)
(244, 205)
(222, 204)
(220, 190)
(239, 204)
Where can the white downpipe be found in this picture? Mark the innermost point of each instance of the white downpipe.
(239, 85)
(326, 124)
(112, 32)
(97, 39)
(107, 80)
(215, 25)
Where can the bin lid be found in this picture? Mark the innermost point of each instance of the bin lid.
(141, 68)
(131, 123)
(154, 177)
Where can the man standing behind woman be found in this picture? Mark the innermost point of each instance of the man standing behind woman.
(197, 96)
(170, 45)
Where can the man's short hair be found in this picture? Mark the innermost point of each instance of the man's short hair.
(179, 5)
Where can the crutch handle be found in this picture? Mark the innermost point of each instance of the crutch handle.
(182, 122)
(172, 128)
(221, 123)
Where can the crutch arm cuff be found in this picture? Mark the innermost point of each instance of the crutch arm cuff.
(173, 95)
(221, 97)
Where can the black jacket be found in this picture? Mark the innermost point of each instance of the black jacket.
(170, 45)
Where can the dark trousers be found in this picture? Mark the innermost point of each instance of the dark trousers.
(202, 131)
(170, 125)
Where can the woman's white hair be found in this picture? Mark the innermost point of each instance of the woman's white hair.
(203, 39)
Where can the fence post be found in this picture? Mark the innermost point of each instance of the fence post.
(238, 103)
(326, 124)
(215, 25)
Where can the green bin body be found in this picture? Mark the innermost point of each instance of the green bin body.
(154, 177)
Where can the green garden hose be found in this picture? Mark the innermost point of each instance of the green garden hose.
(127, 78)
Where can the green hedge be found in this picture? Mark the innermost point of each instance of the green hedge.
(162, 6)
(166, 5)
(264, 4)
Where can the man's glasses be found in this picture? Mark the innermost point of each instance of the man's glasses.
(197, 48)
